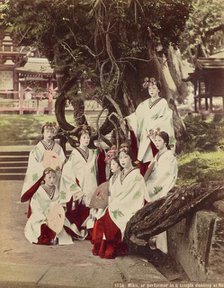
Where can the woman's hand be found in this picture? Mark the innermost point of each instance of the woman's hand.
(150, 133)
(78, 195)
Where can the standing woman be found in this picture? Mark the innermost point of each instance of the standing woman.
(150, 116)
(127, 192)
(161, 177)
(79, 181)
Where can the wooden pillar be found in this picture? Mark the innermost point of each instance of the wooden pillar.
(21, 100)
(38, 104)
(211, 104)
(50, 96)
(206, 102)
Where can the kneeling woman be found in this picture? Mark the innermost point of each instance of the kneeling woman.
(42, 226)
(127, 193)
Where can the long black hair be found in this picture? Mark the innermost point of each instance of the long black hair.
(165, 137)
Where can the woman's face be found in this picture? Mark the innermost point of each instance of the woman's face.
(153, 90)
(84, 139)
(125, 160)
(159, 142)
(114, 166)
(50, 179)
(48, 134)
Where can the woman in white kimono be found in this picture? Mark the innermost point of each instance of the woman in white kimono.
(150, 116)
(47, 153)
(127, 190)
(38, 229)
(78, 183)
(161, 177)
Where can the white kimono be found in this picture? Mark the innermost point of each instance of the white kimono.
(40, 205)
(39, 159)
(163, 176)
(160, 182)
(127, 197)
(113, 187)
(81, 170)
(145, 118)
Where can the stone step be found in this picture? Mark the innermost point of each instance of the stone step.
(12, 170)
(13, 153)
(15, 176)
(13, 164)
(13, 158)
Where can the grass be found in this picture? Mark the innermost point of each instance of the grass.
(200, 167)
(23, 129)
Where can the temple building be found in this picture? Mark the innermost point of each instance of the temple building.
(10, 59)
(27, 83)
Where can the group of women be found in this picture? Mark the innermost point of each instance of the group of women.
(52, 182)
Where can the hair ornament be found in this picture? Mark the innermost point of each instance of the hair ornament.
(111, 154)
(84, 129)
(48, 170)
(124, 147)
(150, 81)
(50, 125)
(157, 131)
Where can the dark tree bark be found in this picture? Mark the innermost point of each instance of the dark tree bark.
(163, 213)
(175, 66)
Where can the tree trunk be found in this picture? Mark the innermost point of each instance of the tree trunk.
(176, 69)
(79, 111)
(60, 113)
(165, 212)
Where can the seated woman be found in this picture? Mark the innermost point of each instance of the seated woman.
(39, 229)
(127, 193)
(79, 180)
(161, 176)
(47, 153)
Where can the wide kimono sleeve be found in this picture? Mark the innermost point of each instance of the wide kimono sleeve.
(68, 184)
(135, 119)
(38, 217)
(164, 177)
(159, 116)
(162, 119)
(60, 153)
(34, 174)
(128, 200)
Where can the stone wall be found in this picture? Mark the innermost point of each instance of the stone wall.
(197, 243)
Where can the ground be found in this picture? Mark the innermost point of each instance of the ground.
(27, 265)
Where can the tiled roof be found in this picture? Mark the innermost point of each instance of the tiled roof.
(36, 66)
(219, 54)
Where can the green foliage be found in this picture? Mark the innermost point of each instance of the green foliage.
(205, 25)
(3, 11)
(99, 37)
(204, 151)
(203, 135)
(200, 167)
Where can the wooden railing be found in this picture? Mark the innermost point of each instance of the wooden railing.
(34, 105)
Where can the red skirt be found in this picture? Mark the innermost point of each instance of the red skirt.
(112, 245)
(46, 235)
(77, 215)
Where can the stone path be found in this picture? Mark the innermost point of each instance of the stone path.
(25, 265)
